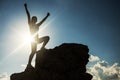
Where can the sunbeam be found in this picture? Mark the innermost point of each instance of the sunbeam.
(24, 38)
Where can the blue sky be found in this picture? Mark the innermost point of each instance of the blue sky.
(95, 23)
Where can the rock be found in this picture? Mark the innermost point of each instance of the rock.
(65, 62)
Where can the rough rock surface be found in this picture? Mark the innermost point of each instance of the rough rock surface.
(65, 62)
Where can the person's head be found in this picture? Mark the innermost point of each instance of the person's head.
(34, 19)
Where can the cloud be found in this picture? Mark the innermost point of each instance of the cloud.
(94, 58)
(101, 70)
(4, 76)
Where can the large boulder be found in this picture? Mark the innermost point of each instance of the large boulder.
(65, 62)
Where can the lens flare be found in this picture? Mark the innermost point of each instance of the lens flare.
(28, 39)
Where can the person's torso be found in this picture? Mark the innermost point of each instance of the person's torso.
(33, 28)
(34, 31)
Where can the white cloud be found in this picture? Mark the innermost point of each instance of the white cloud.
(94, 58)
(4, 76)
(101, 70)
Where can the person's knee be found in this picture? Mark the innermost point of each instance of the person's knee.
(47, 38)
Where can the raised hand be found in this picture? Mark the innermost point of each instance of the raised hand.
(25, 4)
(48, 14)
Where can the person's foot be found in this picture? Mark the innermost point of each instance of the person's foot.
(42, 48)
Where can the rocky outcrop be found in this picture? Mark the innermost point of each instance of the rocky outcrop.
(65, 62)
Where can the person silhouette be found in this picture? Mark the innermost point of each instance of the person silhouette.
(34, 27)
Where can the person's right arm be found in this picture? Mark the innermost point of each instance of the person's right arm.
(27, 12)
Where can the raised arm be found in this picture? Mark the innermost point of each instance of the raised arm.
(27, 12)
(48, 14)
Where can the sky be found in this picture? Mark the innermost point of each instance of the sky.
(95, 23)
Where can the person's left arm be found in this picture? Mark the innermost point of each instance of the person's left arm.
(48, 14)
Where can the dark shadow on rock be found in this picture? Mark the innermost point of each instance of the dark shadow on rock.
(65, 62)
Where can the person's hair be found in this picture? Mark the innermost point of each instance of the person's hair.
(34, 19)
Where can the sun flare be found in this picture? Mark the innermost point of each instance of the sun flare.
(28, 39)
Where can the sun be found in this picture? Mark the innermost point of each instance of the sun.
(28, 39)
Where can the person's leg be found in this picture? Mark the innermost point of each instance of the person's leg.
(44, 39)
(33, 51)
